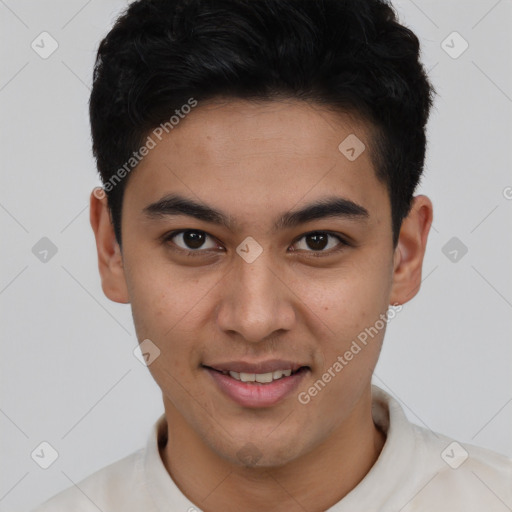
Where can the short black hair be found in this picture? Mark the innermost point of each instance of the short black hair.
(349, 55)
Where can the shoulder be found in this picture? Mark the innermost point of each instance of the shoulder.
(424, 470)
(462, 476)
(106, 489)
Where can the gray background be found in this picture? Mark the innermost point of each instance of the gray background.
(68, 373)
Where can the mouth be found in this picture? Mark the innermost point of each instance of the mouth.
(260, 385)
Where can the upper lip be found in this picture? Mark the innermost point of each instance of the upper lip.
(268, 366)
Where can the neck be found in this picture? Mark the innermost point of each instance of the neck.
(314, 482)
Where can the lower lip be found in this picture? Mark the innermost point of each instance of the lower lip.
(252, 394)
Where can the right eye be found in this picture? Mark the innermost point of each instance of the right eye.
(189, 240)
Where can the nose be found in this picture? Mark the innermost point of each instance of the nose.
(256, 303)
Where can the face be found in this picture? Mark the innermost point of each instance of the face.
(231, 278)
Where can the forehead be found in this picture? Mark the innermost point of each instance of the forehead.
(240, 155)
(225, 128)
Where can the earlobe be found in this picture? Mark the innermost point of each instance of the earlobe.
(410, 251)
(110, 262)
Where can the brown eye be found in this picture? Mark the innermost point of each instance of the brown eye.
(319, 241)
(191, 240)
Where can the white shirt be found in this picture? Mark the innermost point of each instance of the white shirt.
(417, 471)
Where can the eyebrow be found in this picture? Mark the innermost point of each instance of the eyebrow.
(332, 206)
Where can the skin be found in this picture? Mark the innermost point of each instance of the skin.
(255, 161)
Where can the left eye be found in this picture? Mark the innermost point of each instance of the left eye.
(317, 241)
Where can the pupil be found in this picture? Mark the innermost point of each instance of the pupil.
(194, 239)
(319, 241)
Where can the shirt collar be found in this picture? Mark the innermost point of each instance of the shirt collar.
(390, 475)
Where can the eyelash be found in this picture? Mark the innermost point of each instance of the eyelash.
(201, 252)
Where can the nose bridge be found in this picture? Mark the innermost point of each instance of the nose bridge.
(257, 279)
(254, 304)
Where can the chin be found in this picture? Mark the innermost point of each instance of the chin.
(259, 453)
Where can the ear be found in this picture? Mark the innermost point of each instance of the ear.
(110, 262)
(410, 250)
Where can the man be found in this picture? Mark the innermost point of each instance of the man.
(259, 160)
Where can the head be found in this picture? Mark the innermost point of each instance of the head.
(259, 160)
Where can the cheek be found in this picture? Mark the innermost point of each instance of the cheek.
(170, 307)
(155, 308)
(346, 300)
(161, 297)
(347, 320)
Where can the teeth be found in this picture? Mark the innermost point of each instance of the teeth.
(262, 378)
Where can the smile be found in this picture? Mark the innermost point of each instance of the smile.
(257, 389)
